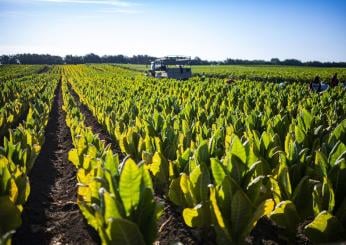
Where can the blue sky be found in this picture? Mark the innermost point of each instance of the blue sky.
(246, 29)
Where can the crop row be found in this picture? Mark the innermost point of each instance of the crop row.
(19, 151)
(226, 155)
(115, 198)
(229, 155)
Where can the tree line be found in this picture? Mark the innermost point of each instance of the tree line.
(145, 59)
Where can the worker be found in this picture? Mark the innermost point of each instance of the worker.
(152, 69)
(334, 81)
(181, 68)
(316, 83)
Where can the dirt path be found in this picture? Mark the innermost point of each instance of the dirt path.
(51, 215)
(171, 225)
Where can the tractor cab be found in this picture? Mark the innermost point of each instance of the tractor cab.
(176, 67)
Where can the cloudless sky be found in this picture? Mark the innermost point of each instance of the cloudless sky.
(247, 29)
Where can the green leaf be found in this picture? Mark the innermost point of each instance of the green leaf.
(240, 214)
(285, 215)
(323, 197)
(10, 218)
(321, 163)
(111, 162)
(130, 185)
(324, 228)
(23, 184)
(218, 219)
(302, 197)
(73, 157)
(236, 168)
(263, 209)
(111, 206)
(186, 187)
(146, 216)
(160, 170)
(217, 170)
(199, 178)
(175, 194)
(238, 149)
(258, 190)
(300, 135)
(197, 216)
(122, 231)
(283, 177)
(202, 153)
(338, 151)
(307, 119)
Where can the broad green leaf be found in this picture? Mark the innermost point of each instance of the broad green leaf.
(217, 170)
(175, 194)
(300, 135)
(130, 185)
(186, 187)
(160, 170)
(283, 177)
(321, 163)
(240, 214)
(238, 149)
(285, 215)
(111, 206)
(73, 157)
(202, 153)
(263, 209)
(122, 231)
(197, 216)
(338, 151)
(10, 217)
(216, 213)
(302, 197)
(324, 228)
(111, 162)
(146, 216)
(307, 119)
(23, 184)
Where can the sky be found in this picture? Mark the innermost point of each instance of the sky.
(215, 30)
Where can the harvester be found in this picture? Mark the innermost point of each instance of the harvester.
(176, 67)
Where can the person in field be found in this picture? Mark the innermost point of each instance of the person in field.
(315, 85)
(335, 80)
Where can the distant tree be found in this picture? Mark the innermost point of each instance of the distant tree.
(70, 59)
(292, 62)
(146, 59)
(92, 58)
(4, 59)
(275, 61)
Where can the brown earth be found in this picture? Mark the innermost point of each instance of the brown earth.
(51, 215)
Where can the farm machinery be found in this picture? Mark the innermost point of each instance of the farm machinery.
(176, 67)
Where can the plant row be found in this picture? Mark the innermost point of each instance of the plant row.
(230, 155)
(18, 154)
(115, 198)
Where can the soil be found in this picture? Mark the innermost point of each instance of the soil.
(171, 226)
(266, 232)
(301, 238)
(51, 215)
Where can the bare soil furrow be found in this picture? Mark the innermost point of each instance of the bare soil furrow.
(51, 215)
